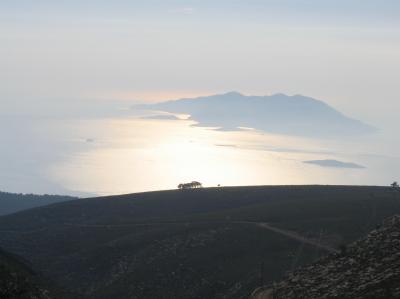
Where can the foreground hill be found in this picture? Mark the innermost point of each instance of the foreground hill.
(11, 202)
(368, 268)
(205, 243)
(279, 113)
(17, 280)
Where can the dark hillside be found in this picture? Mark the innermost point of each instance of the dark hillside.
(367, 269)
(204, 243)
(17, 280)
(11, 202)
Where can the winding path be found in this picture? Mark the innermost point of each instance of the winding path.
(287, 233)
(296, 236)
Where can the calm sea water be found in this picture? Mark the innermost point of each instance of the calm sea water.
(113, 155)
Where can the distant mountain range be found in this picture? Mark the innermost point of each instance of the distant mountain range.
(279, 113)
(11, 202)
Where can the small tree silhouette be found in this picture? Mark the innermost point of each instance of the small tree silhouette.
(395, 185)
(196, 184)
(191, 185)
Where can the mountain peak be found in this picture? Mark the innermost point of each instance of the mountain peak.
(233, 94)
(280, 95)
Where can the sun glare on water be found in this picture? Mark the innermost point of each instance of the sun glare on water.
(134, 155)
(140, 155)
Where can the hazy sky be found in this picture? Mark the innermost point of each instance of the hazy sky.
(345, 52)
(64, 58)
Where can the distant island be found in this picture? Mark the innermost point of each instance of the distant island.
(281, 114)
(334, 163)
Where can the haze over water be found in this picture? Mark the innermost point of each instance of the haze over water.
(123, 152)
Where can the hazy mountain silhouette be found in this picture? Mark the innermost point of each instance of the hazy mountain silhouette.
(12, 202)
(279, 113)
(162, 117)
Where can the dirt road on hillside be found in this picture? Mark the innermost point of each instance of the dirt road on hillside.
(264, 225)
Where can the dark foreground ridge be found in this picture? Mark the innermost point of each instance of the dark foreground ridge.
(368, 268)
(190, 244)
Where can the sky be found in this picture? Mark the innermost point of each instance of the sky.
(344, 52)
(78, 59)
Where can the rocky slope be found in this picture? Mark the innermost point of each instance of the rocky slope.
(181, 244)
(18, 281)
(368, 268)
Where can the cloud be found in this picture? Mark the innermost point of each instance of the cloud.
(334, 163)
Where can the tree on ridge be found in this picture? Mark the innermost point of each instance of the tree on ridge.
(191, 185)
